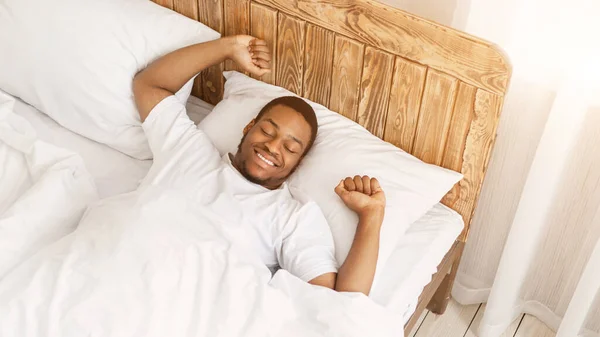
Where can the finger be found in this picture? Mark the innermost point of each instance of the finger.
(375, 187)
(350, 186)
(366, 182)
(340, 188)
(257, 58)
(262, 72)
(262, 63)
(258, 42)
(359, 184)
(263, 49)
(257, 70)
(261, 55)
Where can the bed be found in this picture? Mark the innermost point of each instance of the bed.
(410, 267)
(431, 90)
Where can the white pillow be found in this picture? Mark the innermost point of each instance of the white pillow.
(75, 61)
(342, 148)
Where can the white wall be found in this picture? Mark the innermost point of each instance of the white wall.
(439, 11)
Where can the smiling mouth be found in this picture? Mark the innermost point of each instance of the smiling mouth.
(265, 159)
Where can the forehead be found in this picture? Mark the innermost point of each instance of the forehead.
(289, 121)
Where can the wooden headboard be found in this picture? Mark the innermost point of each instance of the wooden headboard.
(431, 90)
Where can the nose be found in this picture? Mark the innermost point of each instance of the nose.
(274, 146)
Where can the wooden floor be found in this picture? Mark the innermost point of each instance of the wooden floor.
(463, 321)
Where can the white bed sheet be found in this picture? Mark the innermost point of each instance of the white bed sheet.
(407, 272)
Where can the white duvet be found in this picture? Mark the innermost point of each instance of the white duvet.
(153, 263)
(44, 189)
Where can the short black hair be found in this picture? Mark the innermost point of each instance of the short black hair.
(303, 108)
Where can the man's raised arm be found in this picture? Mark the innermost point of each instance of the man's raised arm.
(168, 74)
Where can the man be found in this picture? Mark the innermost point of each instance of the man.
(248, 188)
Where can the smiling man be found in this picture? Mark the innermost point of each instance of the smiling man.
(248, 188)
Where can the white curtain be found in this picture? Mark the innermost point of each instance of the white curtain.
(534, 244)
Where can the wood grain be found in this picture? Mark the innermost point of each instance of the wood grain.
(466, 57)
(457, 135)
(165, 3)
(461, 121)
(435, 117)
(405, 102)
(345, 86)
(188, 8)
(264, 26)
(473, 330)
(318, 63)
(236, 18)
(478, 146)
(197, 88)
(209, 85)
(454, 323)
(212, 84)
(375, 90)
(290, 51)
(210, 13)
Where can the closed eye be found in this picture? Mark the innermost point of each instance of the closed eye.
(266, 133)
(290, 151)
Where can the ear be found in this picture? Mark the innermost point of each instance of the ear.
(249, 126)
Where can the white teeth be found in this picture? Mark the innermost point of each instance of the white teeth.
(265, 159)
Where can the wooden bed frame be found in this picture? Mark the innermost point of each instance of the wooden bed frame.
(433, 91)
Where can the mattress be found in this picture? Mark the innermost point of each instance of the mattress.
(415, 259)
(406, 273)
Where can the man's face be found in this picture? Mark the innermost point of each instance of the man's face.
(273, 146)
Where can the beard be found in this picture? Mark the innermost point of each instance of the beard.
(241, 166)
(253, 179)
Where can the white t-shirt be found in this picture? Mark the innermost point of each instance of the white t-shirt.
(281, 229)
